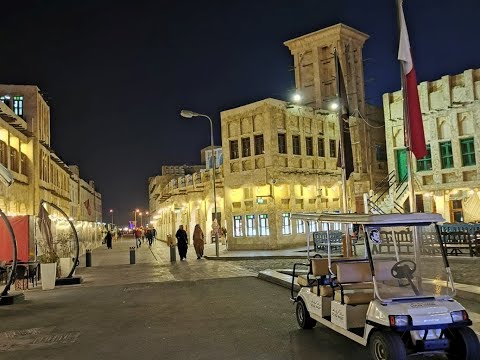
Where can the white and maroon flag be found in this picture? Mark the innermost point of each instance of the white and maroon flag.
(414, 134)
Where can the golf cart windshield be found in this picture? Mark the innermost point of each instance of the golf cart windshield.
(407, 261)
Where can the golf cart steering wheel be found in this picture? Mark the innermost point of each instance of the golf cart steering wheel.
(401, 270)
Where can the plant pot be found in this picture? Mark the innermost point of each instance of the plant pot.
(49, 274)
(65, 266)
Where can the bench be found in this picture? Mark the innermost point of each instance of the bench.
(403, 240)
(456, 241)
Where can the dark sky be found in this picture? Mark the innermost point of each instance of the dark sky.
(116, 74)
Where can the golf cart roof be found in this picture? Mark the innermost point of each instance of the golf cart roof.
(368, 219)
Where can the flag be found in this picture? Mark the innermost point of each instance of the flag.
(414, 134)
(87, 205)
(346, 147)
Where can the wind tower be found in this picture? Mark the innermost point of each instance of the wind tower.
(315, 66)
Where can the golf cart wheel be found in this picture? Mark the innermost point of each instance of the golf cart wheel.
(303, 316)
(385, 345)
(463, 344)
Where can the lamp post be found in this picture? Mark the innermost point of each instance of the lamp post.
(135, 216)
(111, 212)
(141, 219)
(189, 114)
(146, 220)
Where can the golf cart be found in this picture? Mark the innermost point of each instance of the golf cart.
(397, 298)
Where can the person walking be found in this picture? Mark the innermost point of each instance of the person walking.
(149, 236)
(108, 239)
(182, 242)
(138, 235)
(198, 240)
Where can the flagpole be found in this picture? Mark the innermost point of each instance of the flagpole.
(342, 155)
(411, 191)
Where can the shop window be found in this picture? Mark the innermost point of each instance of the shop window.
(263, 225)
(313, 226)
(456, 210)
(286, 224)
(250, 225)
(300, 227)
(237, 226)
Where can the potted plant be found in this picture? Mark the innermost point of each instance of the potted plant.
(48, 269)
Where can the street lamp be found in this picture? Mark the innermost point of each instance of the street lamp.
(111, 212)
(189, 114)
(146, 220)
(141, 219)
(135, 216)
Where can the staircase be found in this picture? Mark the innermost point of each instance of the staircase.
(388, 195)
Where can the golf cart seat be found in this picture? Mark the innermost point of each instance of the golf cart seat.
(355, 281)
(317, 274)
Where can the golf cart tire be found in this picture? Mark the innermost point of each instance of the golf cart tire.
(387, 345)
(303, 316)
(464, 344)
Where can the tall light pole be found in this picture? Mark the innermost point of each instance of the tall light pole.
(141, 219)
(189, 114)
(146, 221)
(111, 212)
(135, 215)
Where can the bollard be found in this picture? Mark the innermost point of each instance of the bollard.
(88, 258)
(132, 255)
(173, 253)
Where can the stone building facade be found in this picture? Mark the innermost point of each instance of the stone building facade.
(447, 180)
(39, 172)
(280, 158)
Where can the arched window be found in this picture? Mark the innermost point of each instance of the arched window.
(14, 159)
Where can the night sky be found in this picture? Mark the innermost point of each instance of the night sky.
(116, 74)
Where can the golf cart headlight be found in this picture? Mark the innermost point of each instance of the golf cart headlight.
(459, 315)
(399, 320)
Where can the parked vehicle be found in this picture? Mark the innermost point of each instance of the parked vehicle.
(396, 302)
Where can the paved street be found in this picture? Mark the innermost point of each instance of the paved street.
(194, 309)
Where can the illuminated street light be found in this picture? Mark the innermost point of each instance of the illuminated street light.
(334, 105)
(189, 114)
(111, 212)
(296, 98)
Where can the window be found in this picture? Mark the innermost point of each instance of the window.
(468, 151)
(237, 226)
(333, 148)
(5, 99)
(282, 144)
(286, 224)
(309, 146)
(3, 153)
(18, 105)
(425, 163)
(313, 226)
(296, 144)
(250, 219)
(321, 147)
(23, 164)
(233, 149)
(300, 227)
(14, 159)
(246, 147)
(446, 155)
(380, 152)
(263, 225)
(259, 150)
(456, 211)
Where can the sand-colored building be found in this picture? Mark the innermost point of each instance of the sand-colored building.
(39, 172)
(280, 157)
(447, 180)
